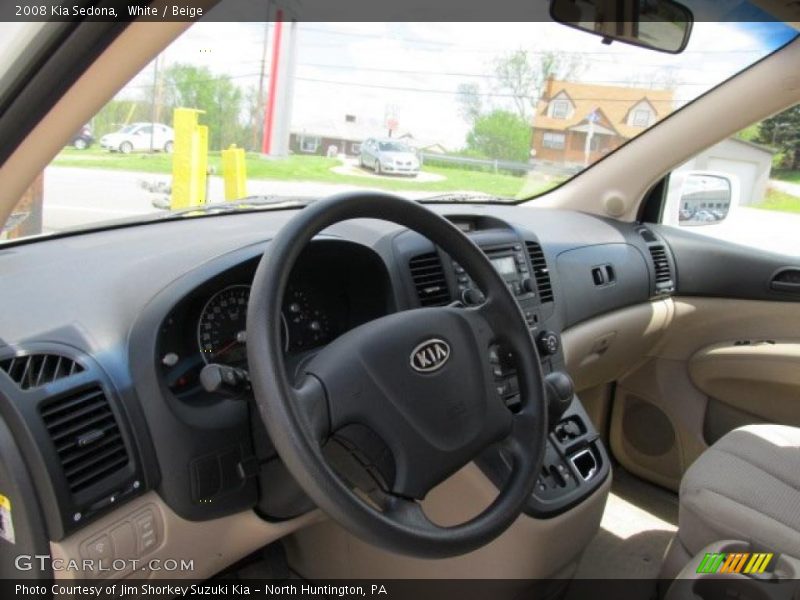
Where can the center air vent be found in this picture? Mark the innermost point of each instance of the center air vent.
(86, 437)
(661, 267)
(429, 280)
(34, 370)
(540, 272)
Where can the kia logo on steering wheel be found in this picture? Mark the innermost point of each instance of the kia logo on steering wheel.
(431, 355)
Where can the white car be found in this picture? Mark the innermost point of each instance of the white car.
(140, 136)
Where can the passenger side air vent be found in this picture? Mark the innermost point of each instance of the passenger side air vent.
(429, 280)
(540, 272)
(661, 267)
(647, 235)
(86, 436)
(35, 370)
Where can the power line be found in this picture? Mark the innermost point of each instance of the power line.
(455, 92)
(459, 74)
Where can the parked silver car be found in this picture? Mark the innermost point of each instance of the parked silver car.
(386, 155)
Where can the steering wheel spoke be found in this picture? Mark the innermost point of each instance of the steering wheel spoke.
(312, 405)
(408, 512)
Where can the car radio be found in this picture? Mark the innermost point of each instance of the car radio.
(512, 265)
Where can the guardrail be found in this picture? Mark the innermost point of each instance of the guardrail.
(486, 164)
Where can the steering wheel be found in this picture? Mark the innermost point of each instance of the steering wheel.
(420, 381)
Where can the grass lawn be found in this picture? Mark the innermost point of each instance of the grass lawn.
(779, 201)
(786, 175)
(317, 169)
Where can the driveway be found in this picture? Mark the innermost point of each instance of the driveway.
(787, 187)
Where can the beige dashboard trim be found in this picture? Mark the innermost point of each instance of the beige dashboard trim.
(212, 545)
(529, 549)
(607, 347)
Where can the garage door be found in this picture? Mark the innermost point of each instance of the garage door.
(746, 171)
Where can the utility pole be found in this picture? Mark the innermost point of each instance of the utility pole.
(258, 121)
(154, 104)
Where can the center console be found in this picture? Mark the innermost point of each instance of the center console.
(575, 462)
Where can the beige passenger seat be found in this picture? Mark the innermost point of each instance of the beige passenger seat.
(744, 487)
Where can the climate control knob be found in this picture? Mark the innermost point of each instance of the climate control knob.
(548, 343)
(527, 285)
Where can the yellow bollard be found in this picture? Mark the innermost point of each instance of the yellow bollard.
(234, 172)
(189, 160)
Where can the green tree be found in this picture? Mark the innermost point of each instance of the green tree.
(783, 132)
(501, 135)
(190, 86)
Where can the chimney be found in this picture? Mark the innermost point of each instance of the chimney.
(548, 87)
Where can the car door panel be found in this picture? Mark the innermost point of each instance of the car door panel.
(761, 377)
(730, 356)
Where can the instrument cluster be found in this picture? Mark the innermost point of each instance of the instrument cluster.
(325, 297)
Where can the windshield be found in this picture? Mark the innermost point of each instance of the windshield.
(392, 147)
(500, 110)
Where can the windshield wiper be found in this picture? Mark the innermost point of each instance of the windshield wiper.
(466, 197)
(246, 203)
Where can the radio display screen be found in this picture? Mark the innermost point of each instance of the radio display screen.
(505, 265)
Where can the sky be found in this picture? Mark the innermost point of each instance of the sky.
(413, 70)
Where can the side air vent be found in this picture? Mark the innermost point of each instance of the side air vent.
(647, 235)
(540, 272)
(34, 370)
(661, 266)
(86, 437)
(429, 280)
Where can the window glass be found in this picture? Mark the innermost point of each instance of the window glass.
(554, 140)
(560, 109)
(509, 110)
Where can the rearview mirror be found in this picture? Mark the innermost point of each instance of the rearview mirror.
(663, 25)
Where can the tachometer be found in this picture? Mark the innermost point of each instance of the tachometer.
(222, 328)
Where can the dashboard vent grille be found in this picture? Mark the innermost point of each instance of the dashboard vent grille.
(661, 264)
(429, 280)
(647, 235)
(86, 437)
(540, 272)
(34, 370)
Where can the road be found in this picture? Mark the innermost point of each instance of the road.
(75, 196)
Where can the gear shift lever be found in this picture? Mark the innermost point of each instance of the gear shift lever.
(560, 389)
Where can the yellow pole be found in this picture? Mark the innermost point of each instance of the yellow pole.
(189, 159)
(234, 172)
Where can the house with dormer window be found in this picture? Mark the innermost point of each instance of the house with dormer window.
(579, 123)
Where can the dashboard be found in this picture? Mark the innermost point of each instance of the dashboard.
(145, 309)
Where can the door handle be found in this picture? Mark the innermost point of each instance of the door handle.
(786, 280)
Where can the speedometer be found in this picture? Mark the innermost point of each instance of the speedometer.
(222, 328)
